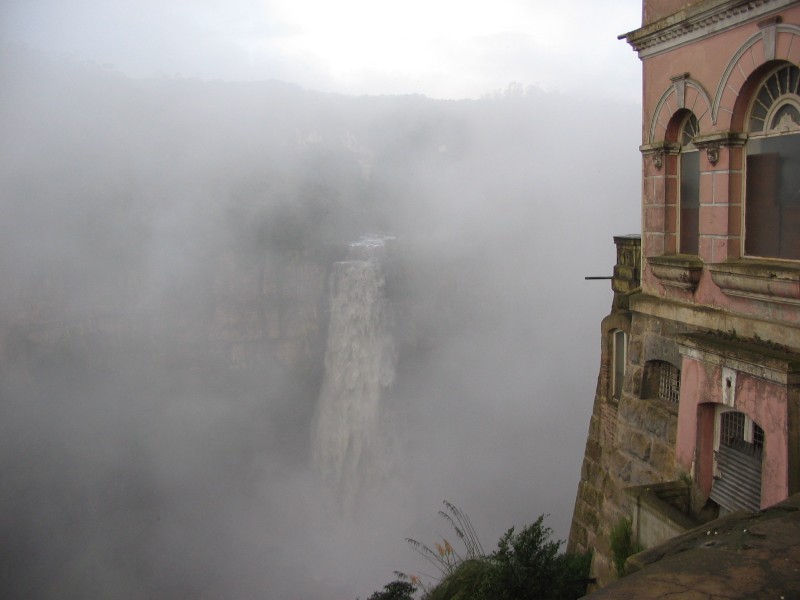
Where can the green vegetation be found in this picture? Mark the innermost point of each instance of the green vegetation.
(396, 590)
(525, 566)
(622, 545)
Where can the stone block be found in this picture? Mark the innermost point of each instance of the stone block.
(591, 495)
(671, 218)
(587, 515)
(579, 539)
(593, 450)
(648, 415)
(587, 470)
(714, 219)
(620, 465)
(662, 457)
(642, 473)
(721, 188)
(635, 350)
(637, 443)
(635, 382)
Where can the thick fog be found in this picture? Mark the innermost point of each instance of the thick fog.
(166, 256)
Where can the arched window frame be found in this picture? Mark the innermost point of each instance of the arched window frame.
(772, 193)
(689, 187)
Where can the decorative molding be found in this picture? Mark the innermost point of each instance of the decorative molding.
(678, 271)
(769, 29)
(778, 331)
(658, 151)
(767, 281)
(680, 83)
(753, 358)
(787, 124)
(750, 67)
(696, 85)
(721, 138)
(713, 142)
(697, 21)
(712, 153)
(654, 119)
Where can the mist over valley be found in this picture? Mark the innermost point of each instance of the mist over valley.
(169, 256)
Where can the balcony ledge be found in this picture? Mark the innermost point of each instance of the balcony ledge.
(769, 281)
(680, 271)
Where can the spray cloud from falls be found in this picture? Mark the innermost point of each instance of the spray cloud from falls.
(185, 340)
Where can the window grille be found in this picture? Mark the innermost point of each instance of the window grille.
(731, 428)
(669, 382)
(770, 109)
(738, 463)
(739, 432)
(758, 436)
(662, 381)
(690, 129)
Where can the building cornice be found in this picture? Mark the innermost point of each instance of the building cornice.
(716, 319)
(746, 356)
(697, 21)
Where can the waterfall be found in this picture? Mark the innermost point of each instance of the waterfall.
(347, 438)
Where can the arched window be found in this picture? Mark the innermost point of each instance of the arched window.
(689, 200)
(772, 204)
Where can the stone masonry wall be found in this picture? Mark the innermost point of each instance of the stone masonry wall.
(631, 440)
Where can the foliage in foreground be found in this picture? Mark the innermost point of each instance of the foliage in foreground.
(622, 544)
(396, 590)
(525, 566)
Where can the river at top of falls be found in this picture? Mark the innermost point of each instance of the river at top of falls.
(348, 449)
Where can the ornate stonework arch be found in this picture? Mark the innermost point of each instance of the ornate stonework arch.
(775, 41)
(683, 93)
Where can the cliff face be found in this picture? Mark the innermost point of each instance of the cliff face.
(270, 308)
(252, 309)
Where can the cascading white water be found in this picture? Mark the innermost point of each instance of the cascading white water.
(347, 438)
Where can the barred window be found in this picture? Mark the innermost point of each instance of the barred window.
(669, 382)
(758, 436)
(731, 427)
(662, 381)
(736, 430)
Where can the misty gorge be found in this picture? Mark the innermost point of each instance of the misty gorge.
(252, 335)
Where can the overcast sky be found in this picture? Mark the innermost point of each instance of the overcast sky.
(439, 48)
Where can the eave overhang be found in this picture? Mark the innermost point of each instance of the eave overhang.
(697, 21)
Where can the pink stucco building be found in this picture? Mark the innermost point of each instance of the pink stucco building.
(700, 374)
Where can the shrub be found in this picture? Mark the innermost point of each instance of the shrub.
(622, 545)
(526, 566)
(395, 590)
